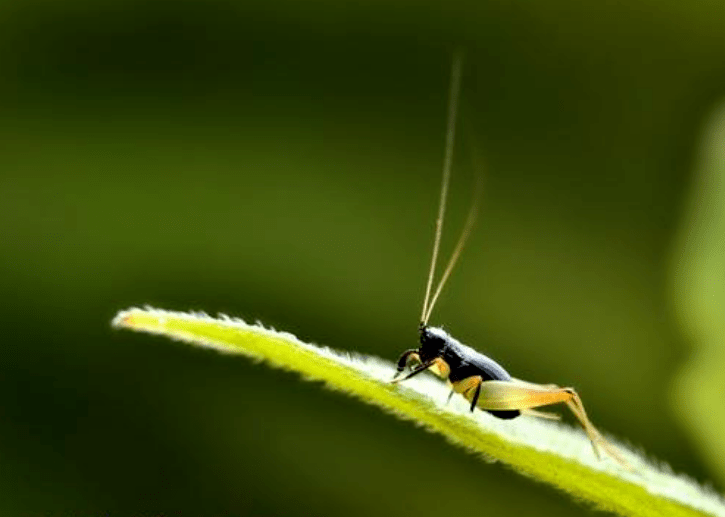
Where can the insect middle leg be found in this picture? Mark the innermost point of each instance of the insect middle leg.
(470, 388)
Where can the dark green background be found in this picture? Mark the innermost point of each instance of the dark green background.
(280, 161)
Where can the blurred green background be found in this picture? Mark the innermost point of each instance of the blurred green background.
(280, 161)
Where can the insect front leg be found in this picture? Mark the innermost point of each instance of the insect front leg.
(438, 366)
(418, 369)
(407, 356)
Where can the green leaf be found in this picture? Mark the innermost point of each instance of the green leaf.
(548, 451)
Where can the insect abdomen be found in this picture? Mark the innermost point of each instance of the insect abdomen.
(505, 415)
(470, 363)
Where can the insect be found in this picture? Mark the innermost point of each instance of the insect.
(480, 379)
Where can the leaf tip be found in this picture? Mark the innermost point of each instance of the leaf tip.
(137, 319)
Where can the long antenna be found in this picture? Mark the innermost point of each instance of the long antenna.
(472, 214)
(447, 160)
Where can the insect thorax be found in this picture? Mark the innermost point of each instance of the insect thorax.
(462, 360)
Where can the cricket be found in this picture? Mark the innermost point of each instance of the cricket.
(479, 379)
